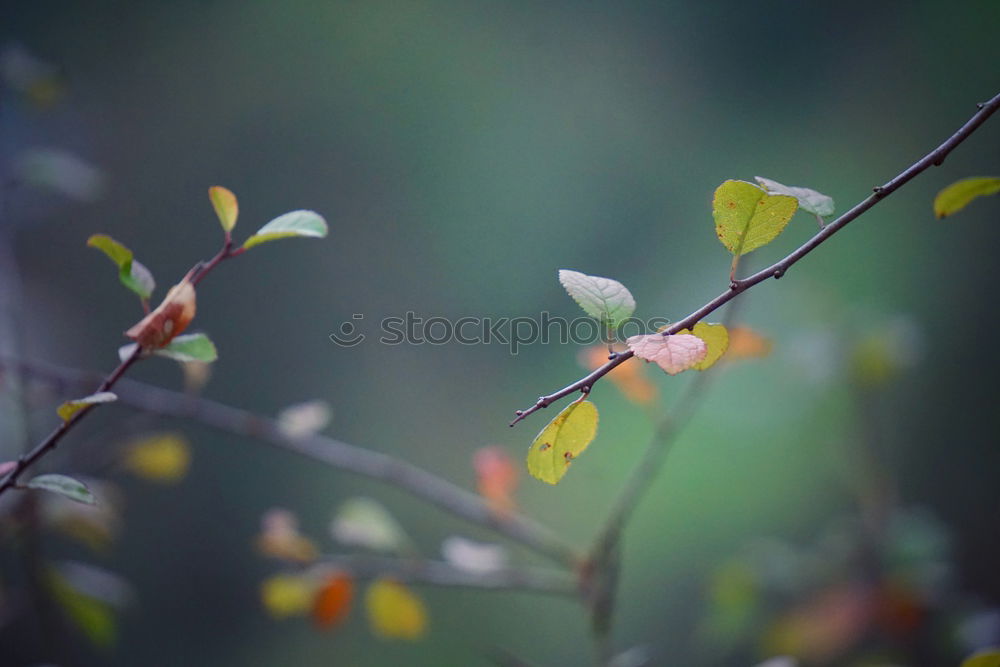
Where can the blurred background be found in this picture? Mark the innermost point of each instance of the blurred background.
(462, 153)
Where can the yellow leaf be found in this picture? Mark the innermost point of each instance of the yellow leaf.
(561, 441)
(285, 595)
(69, 409)
(957, 196)
(163, 457)
(716, 338)
(225, 205)
(394, 612)
(747, 217)
(987, 658)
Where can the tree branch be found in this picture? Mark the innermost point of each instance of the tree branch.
(335, 453)
(441, 573)
(934, 158)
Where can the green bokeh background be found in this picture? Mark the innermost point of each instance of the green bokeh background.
(462, 153)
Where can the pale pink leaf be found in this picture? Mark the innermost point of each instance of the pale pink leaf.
(671, 353)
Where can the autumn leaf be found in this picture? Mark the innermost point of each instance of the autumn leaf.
(630, 379)
(225, 205)
(673, 354)
(285, 595)
(333, 600)
(561, 441)
(809, 200)
(496, 477)
(747, 217)
(987, 658)
(716, 338)
(394, 612)
(169, 319)
(745, 343)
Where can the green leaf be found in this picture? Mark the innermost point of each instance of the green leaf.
(810, 201)
(747, 217)
(607, 300)
(94, 617)
(296, 223)
(68, 409)
(561, 441)
(225, 205)
(131, 273)
(190, 347)
(987, 658)
(957, 196)
(64, 486)
(186, 347)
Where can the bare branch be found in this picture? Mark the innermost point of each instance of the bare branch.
(335, 453)
(934, 158)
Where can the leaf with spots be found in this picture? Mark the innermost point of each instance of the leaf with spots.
(747, 217)
(606, 299)
(225, 205)
(809, 200)
(562, 440)
(673, 354)
(394, 611)
(296, 223)
(959, 194)
(716, 338)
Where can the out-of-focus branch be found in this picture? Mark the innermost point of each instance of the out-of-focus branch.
(441, 573)
(335, 453)
(934, 158)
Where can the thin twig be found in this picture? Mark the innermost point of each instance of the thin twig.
(934, 158)
(441, 573)
(9, 481)
(335, 453)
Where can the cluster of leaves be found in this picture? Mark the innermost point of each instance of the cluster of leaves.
(747, 217)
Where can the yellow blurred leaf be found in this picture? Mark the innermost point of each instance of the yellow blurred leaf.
(162, 457)
(957, 196)
(562, 440)
(987, 658)
(225, 205)
(630, 379)
(285, 595)
(394, 612)
(716, 339)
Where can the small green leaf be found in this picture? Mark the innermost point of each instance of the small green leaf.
(987, 658)
(747, 217)
(190, 347)
(225, 205)
(64, 486)
(68, 409)
(810, 201)
(957, 196)
(606, 299)
(296, 223)
(561, 441)
(95, 618)
(131, 273)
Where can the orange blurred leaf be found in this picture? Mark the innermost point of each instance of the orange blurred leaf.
(630, 379)
(280, 538)
(745, 343)
(496, 477)
(333, 600)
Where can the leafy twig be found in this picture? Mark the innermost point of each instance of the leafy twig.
(934, 158)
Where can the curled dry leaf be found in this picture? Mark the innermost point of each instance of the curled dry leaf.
(170, 318)
(671, 353)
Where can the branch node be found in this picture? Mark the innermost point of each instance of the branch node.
(778, 273)
(585, 389)
(980, 105)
